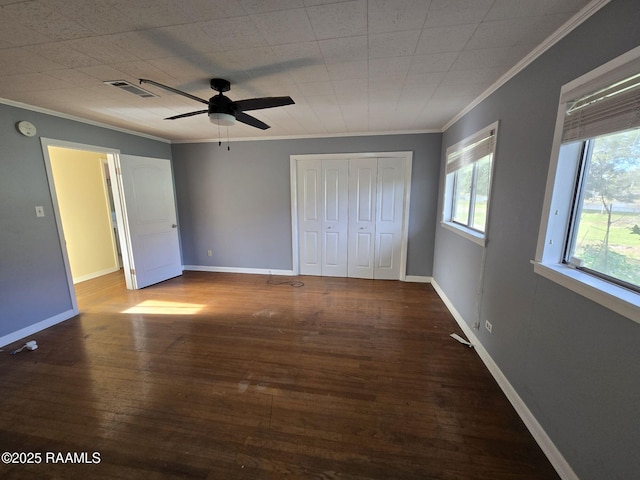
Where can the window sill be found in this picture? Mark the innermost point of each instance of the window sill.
(620, 300)
(474, 236)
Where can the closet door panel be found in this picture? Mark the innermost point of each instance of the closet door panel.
(335, 217)
(309, 180)
(389, 217)
(362, 216)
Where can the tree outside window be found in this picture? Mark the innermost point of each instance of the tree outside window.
(606, 233)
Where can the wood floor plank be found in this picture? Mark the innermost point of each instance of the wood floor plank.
(227, 376)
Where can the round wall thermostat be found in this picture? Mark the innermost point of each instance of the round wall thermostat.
(27, 129)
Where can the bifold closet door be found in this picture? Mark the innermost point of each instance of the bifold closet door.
(376, 207)
(350, 216)
(323, 216)
(335, 217)
(389, 215)
(309, 175)
(362, 216)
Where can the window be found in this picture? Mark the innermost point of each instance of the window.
(468, 183)
(604, 233)
(590, 233)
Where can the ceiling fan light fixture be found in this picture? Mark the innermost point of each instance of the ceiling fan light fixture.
(222, 119)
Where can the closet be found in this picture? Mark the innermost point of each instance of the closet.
(350, 215)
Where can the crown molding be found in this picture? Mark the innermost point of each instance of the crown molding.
(585, 13)
(53, 113)
(74, 118)
(306, 137)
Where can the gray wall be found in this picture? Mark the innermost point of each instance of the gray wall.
(238, 203)
(33, 284)
(575, 364)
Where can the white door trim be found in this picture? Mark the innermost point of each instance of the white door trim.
(293, 169)
(109, 194)
(405, 215)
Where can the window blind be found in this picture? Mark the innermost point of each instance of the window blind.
(475, 149)
(611, 109)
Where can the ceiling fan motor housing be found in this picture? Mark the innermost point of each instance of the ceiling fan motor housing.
(221, 104)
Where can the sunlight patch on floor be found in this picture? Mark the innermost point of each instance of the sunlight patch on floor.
(158, 307)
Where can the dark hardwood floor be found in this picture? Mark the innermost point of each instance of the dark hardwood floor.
(225, 376)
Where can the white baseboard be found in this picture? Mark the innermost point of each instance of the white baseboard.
(418, 279)
(266, 271)
(254, 271)
(36, 327)
(93, 275)
(544, 441)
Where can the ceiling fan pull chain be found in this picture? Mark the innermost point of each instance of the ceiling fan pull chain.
(219, 139)
(228, 146)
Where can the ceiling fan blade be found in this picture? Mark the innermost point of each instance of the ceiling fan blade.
(265, 102)
(249, 120)
(175, 90)
(183, 115)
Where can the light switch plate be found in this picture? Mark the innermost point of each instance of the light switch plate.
(39, 211)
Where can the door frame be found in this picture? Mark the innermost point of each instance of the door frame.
(112, 159)
(108, 182)
(293, 170)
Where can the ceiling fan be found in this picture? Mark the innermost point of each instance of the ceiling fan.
(224, 111)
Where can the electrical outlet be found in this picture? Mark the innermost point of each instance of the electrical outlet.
(209, 253)
(488, 326)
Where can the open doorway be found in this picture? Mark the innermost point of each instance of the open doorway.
(101, 155)
(87, 211)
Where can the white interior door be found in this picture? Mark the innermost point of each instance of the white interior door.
(149, 215)
(362, 216)
(389, 218)
(335, 218)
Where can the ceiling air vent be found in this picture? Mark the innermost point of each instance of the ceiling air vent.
(131, 88)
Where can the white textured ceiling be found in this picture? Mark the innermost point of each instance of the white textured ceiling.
(351, 66)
